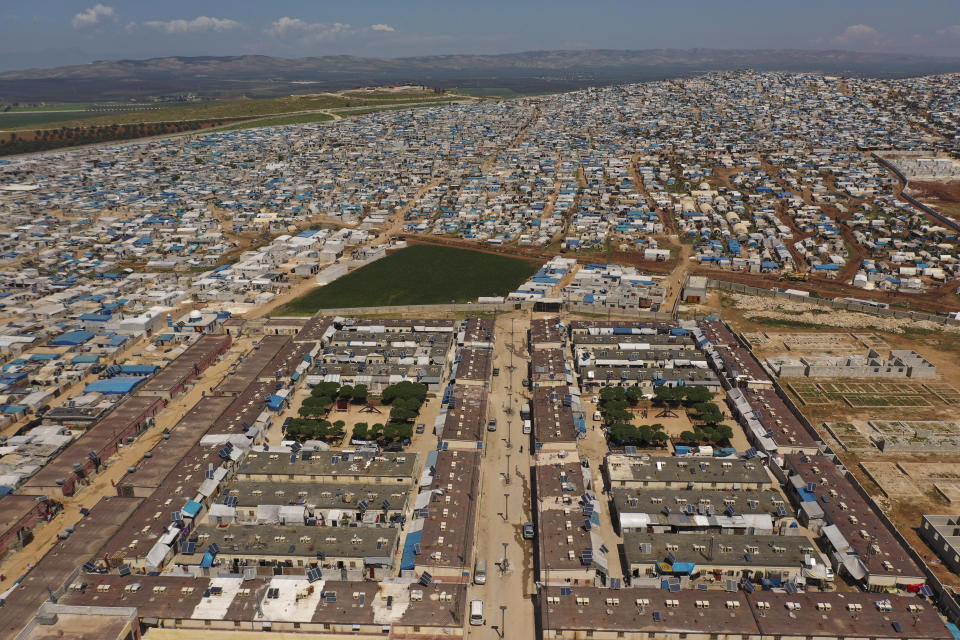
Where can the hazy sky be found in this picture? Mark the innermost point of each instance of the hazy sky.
(56, 32)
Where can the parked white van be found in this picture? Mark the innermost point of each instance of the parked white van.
(476, 612)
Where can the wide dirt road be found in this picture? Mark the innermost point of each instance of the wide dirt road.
(506, 472)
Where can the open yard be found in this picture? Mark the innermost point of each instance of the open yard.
(420, 274)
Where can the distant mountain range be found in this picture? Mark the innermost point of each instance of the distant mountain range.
(531, 71)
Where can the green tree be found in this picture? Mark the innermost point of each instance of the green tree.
(328, 389)
(623, 434)
(360, 393)
(696, 394)
(668, 396)
(361, 431)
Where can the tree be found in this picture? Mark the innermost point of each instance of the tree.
(634, 395)
(623, 434)
(346, 391)
(688, 437)
(328, 389)
(360, 393)
(361, 431)
(696, 394)
(668, 396)
(609, 394)
(405, 389)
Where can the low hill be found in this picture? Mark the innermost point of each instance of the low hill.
(522, 72)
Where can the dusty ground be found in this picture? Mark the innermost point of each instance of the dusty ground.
(942, 196)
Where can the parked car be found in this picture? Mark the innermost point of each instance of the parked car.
(528, 531)
(496, 371)
(285, 425)
(421, 427)
(492, 424)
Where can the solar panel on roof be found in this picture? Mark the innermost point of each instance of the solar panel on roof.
(656, 616)
(209, 474)
(730, 510)
(426, 579)
(295, 447)
(790, 588)
(214, 548)
(188, 548)
(232, 501)
(671, 558)
(566, 591)
(92, 455)
(330, 596)
(362, 505)
(748, 557)
(176, 516)
(674, 588)
(588, 510)
(216, 591)
(751, 453)
(926, 590)
(748, 586)
(897, 627)
(313, 575)
(416, 549)
(273, 593)
(630, 450)
(811, 486)
(586, 525)
(782, 511)
(386, 505)
(124, 570)
(604, 549)
(89, 566)
(224, 453)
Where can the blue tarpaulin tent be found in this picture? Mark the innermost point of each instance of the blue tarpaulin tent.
(409, 559)
(72, 338)
(114, 386)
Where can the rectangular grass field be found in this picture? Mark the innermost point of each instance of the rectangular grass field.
(419, 274)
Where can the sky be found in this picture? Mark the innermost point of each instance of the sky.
(43, 33)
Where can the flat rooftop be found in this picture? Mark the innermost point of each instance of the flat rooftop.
(187, 365)
(96, 439)
(686, 470)
(348, 466)
(58, 563)
(293, 541)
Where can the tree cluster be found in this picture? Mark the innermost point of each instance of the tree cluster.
(43, 139)
(645, 435)
(383, 434)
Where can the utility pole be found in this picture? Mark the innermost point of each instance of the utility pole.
(506, 507)
(503, 618)
(506, 474)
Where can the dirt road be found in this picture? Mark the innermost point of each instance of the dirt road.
(505, 494)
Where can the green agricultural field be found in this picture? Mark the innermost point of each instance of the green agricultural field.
(37, 119)
(234, 109)
(280, 121)
(419, 274)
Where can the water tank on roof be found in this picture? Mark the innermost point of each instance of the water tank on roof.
(195, 315)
